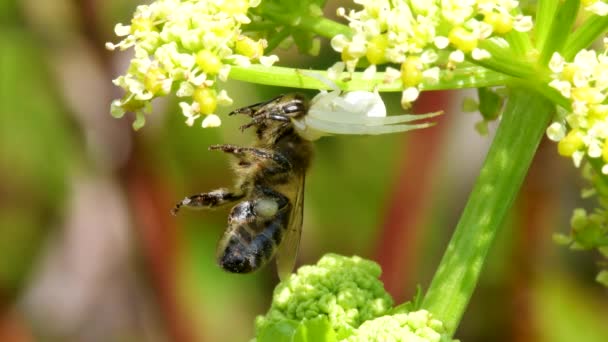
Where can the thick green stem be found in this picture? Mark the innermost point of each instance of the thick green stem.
(523, 123)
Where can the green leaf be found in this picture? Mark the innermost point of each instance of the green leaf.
(413, 305)
(314, 330)
(282, 331)
(602, 278)
(490, 103)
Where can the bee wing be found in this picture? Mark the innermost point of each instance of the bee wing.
(288, 249)
(250, 110)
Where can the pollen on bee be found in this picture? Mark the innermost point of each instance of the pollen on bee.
(266, 207)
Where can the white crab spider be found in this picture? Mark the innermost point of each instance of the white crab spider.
(355, 112)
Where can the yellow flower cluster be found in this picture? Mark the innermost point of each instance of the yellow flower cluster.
(599, 7)
(584, 131)
(185, 46)
(414, 33)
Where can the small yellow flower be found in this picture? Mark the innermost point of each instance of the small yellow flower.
(583, 81)
(188, 46)
(394, 31)
(463, 39)
(206, 99)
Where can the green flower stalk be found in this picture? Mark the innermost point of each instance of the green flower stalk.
(342, 299)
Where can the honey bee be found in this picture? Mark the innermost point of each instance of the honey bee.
(267, 220)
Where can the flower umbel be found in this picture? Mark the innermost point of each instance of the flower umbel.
(584, 81)
(599, 7)
(186, 46)
(419, 35)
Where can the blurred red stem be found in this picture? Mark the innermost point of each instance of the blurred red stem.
(396, 249)
(157, 233)
(535, 210)
(147, 196)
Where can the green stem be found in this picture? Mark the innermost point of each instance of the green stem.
(545, 14)
(470, 77)
(505, 61)
(559, 30)
(588, 32)
(524, 121)
(278, 38)
(319, 25)
(519, 42)
(324, 27)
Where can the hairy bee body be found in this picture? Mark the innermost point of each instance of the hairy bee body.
(270, 184)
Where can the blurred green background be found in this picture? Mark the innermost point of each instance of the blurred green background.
(89, 251)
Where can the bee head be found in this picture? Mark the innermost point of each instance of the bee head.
(275, 117)
(292, 106)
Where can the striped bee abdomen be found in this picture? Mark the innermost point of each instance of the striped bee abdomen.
(251, 239)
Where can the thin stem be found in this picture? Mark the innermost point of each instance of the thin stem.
(545, 15)
(589, 31)
(324, 27)
(519, 42)
(560, 29)
(505, 61)
(319, 25)
(278, 38)
(524, 121)
(469, 77)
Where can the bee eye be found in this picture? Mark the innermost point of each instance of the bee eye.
(266, 207)
(293, 108)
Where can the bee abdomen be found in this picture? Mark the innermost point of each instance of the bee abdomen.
(241, 250)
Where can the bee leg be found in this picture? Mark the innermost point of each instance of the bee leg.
(263, 117)
(207, 200)
(282, 163)
(254, 108)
